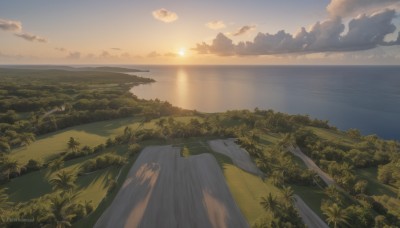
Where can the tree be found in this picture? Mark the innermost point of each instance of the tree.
(277, 178)
(4, 203)
(287, 195)
(270, 204)
(64, 181)
(10, 167)
(27, 139)
(73, 144)
(56, 165)
(61, 213)
(335, 215)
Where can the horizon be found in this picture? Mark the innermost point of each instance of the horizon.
(331, 32)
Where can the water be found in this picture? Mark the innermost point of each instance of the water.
(363, 97)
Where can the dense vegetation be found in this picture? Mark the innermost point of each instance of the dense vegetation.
(35, 102)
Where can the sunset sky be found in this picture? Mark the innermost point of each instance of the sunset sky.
(199, 32)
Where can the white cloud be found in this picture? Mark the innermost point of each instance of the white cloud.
(345, 8)
(9, 25)
(31, 37)
(215, 25)
(244, 29)
(165, 15)
(364, 33)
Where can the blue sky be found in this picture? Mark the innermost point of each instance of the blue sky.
(122, 31)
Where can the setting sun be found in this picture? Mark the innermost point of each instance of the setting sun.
(181, 52)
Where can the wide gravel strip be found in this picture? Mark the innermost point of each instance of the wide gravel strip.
(165, 190)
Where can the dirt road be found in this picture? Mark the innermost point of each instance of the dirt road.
(165, 190)
(239, 156)
(308, 216)
(311, 165)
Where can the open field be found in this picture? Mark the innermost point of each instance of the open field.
(333, 136)
(93, 134)
(374, 186)
(93, 186)
(160, 187)
(310, 218)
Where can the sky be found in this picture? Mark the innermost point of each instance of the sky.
(200, 32)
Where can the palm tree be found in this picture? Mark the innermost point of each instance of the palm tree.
(335, 215)
(73, 145)
(270, 203)
(333, 193)
(277, 178)
(11, 166)
(64, 181)
(56, 165)
(61, 213)
(4, 203)
(27, 139)
(287, 195)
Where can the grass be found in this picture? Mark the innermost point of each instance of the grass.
(49, 145)
(332, 135)
(374, 186)
(35, 184)
(312, 196)
(247, 189)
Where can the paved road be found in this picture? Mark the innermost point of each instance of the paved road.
(165, 190)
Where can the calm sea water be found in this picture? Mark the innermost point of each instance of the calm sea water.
(363, 97)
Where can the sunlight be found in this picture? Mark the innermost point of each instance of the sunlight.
(181, 52)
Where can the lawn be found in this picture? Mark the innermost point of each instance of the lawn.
(35, 184)
(49, 145)
(93, 134)
(333, 136)
(374, 186)
(312, 196)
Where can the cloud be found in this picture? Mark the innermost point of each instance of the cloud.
(153, 54)
(215, 25)
(74, 55)
(345, 8)
(364, 32)
(170, 54)
(31, 37)
(9, 25)
(116, 49)
(165, 15)
(60, 49)
(243, 30)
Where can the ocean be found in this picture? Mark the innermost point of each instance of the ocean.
(362, 97)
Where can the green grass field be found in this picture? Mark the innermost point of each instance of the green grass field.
(333, 136)
(93, 134)
(374, 186)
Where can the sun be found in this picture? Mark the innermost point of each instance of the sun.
(181, 52)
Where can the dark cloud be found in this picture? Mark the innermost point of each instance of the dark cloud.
(31, 37)
(364, 32)
(243, 30)
(153, 54)
(344, 8)
(9, 25)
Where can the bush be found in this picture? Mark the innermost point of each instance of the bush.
(134, 149)
(101, 162)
